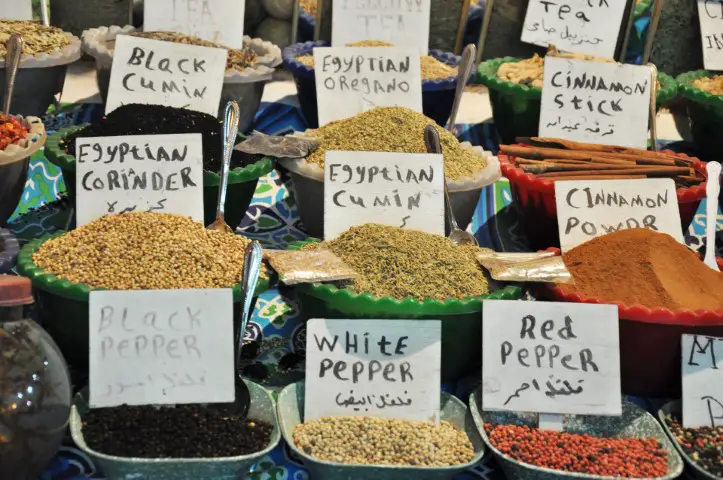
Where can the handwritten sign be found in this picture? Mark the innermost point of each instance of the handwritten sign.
(581, 26)
(350, 80)
(155, 72)
(220, 21)
(702, 381)
(593, 102)
(590, 208)
(549, 357)
(397, 189)
(161, 347)
(379, 368)
(710, 14)
(16, 10)
(139, 173)
(404, 24)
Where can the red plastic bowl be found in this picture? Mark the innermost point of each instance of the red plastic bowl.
(649, 340)
(535, 197)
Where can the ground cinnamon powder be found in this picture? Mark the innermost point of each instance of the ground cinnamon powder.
(642, 267)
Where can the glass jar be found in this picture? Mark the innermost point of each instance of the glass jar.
(35, 390)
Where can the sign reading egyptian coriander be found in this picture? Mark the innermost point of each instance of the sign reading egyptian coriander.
(590, 208)
(702, 381)
(16, 10)
(155, 72)
(582, 26)
(353, 80)
(161, 347)
(397, 189)
(710, 14)
(139, 173)
(594, 102)
(548, 357)
(376, 368)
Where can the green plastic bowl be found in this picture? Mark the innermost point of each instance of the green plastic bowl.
(241, 181)
(516, 108)
(461, 319)
(62, 306)
(705, 114)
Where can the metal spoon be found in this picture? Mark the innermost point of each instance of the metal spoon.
(465, 67)
(712, 188)
(14, 47)
(456, 234)
(230, 131)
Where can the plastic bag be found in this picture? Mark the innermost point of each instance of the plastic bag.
(525, 267)
(308, 266)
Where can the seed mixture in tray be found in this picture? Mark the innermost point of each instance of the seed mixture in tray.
(704, 445)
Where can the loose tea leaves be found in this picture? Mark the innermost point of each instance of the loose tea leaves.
(278, 146)
(712, 84)
(37, 38)
(525, 267)
(308, 266)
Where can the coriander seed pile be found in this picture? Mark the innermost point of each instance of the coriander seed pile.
(37, 38)
(381, 441)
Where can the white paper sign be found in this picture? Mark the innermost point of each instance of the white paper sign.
(139, 173)
(350, 80)
(710, 14)
(375, 368)
(155, 72)
(591, 208)
(550, 357)
(220, 21)
(161, 347)
(404, 24)
(593, 102)
(16, 10)
(702, 381)
(397, 189)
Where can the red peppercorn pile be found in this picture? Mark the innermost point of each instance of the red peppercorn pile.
(703, 445)
(11, 131)
(614, 457)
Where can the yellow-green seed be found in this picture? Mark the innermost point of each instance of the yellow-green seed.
(37, 38)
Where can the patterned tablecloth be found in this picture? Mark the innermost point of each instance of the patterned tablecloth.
(273, 220)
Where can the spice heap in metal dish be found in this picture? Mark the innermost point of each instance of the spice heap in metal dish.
(37, 38)
(394, 129)
(145, 251)
(399, 263)
(712, 84)
(11, 131)
(703, 445)
(381, 441)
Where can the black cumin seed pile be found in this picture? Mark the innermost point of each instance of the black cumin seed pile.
(183, 431)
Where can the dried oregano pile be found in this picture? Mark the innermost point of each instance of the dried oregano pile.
(394, 129)
(401, 263)
(712, 85)
(37, 38)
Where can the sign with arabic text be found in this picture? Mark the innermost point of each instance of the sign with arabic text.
(16, 10)
(710, 14)
(702, 381)
(139, 173)
(548, 357)
(374, 368)
(159, 347)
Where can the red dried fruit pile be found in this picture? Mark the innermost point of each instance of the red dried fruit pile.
(614, 457)
(11, 131)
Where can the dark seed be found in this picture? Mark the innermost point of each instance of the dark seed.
(256, 371)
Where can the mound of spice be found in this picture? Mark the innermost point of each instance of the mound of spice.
(642, 267)
(11, 131)
(530, 72)
(399, 263)
(703, 445)
(712, 85)
(37, 38)
(183, 431)
(382, 441)
(570, 452)
(145, 251)
(394, 129)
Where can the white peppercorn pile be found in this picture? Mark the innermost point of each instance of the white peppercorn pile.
(382, 441)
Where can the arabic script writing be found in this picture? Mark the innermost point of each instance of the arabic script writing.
(367, 401)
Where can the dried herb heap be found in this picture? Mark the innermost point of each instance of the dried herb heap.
(712, 85)
(37, 38)
(703, 445)
(394, 129)
(11, 131)
(401, 263)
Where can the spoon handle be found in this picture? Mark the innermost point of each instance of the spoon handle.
(431, 141)
(712, 189)
(230, 131)
(251, 272)
(14, 47)
(465, 66)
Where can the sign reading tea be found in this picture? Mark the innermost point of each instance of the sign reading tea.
(139, 173)
(353, 80)
(397, 189)
(375, 368)
(161, 347)
(593, 102)
(155, 72)
(702, 381)
(710, 14)
(548, 357)
(16, 10)
(402, 23)
(590, 208)
(581, 26)
(220, 21)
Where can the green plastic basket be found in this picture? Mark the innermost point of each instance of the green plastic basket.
(705, 114)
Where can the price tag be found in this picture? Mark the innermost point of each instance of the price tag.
(404, 24)
(710, 14)
(373, 368)
(353, 80)
(152, 347)
(16, 10)
(397, 189)
(702, 381)
(593, 102)
(220, 21)
(139, 173)
(155, 72)
(551, 358)
(591, 208)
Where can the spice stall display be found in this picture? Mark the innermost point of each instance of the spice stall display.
(702, 92)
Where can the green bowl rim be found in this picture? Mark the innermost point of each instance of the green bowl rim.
(406, 306)
(65, 161)
(686, 88)
(80, 291)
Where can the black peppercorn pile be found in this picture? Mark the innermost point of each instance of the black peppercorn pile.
(703, 445)
(184, 431)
